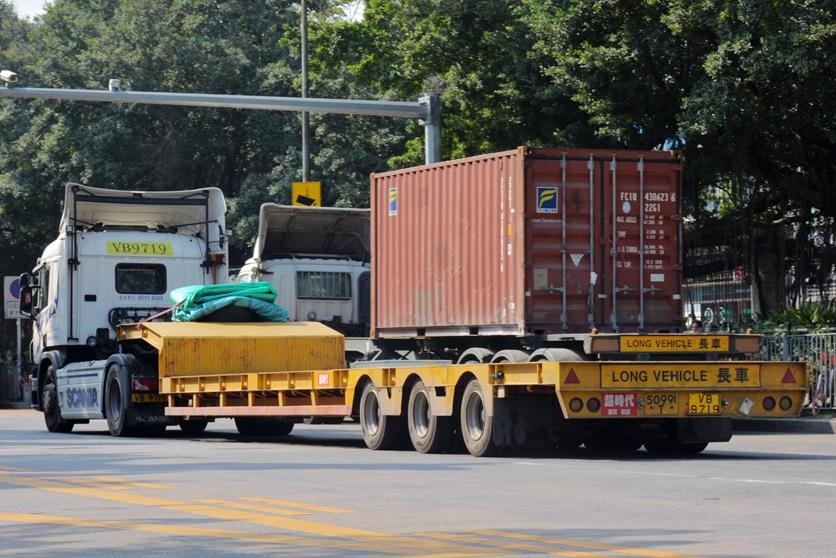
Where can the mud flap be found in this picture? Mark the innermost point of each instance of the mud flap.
(524, 422)
(704, 430)
(148, 415)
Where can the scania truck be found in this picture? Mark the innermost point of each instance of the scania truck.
(116, 257)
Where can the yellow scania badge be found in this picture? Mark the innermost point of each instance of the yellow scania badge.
(674, 343)
(129, 248)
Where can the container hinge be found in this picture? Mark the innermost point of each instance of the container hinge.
(652, 290)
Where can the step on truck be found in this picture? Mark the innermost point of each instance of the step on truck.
(116, 257)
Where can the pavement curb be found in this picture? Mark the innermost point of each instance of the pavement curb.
(793, 425)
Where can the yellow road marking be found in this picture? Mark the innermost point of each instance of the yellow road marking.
(371, 540)
(462, 539)
(161, 528)
(255, 507)
(132, 483)
(629, 550)
(300, 505)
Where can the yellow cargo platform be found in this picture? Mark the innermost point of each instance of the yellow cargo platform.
(207, 349)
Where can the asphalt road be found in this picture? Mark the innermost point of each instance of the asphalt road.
(321, 493)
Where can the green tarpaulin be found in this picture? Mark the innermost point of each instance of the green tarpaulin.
(198, 301)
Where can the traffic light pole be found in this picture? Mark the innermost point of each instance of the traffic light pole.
(427, 109)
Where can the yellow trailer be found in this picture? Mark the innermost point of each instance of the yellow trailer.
(269, 376)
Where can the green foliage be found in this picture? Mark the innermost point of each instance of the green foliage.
(811, 316)
(744, 88)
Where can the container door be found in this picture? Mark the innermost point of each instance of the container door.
(641, 237)
(561, 195)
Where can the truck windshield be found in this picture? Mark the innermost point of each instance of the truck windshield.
(140, 279)
(323, 284)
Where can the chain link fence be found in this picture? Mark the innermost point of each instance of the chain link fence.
(818, 350)
(9, 382)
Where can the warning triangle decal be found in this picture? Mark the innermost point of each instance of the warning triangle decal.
(572, 378)
(576, 259)
(789, 377)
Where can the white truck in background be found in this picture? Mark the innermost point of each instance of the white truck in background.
(117, 256)
(317, 259)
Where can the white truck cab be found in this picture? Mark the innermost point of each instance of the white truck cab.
(117, 256)
(317, 259)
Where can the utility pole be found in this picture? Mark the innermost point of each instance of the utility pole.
(306, 156)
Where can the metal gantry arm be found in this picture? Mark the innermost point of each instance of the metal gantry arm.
(427, 109)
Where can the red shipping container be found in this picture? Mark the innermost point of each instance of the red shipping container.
(529, 241)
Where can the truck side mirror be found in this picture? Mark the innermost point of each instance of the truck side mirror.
(26, 301)
(25, 279)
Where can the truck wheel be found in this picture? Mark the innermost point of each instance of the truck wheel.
(668, 446)
(509, 355)
(429, 434)
(380, 432)
(192, 427)
(117, 396)
(264, 427)
(611, 443)
(52, 410)
(278, 427)
(248, 426)
(476, 425)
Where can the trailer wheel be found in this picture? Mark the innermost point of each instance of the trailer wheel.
(52, 410)
(509, 355)
(429, 434)
(476, 425)
(117, 401)
(380, 432)
(668, 446)
(192, 427)
(260, 426)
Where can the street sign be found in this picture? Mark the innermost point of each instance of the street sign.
(306, 193)
(11, 298)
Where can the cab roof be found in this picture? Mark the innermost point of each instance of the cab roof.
(186, 210)
(296, 230)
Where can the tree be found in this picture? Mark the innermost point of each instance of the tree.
(739, 87)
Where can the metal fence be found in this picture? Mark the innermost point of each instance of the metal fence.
(9, 382)
(818, 350)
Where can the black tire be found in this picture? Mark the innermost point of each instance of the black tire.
(429, 434)
(52, 409)
(476, 426)
(692, 449)
(323, 420)
(380, 432)
(117, 401)
(248, 426)
(192, 427)
(152, 431)
(612, 443)
(669, 446)
(262, 427)
(279, 427)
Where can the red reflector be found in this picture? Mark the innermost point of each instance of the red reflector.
(572, 378)
(789, 377)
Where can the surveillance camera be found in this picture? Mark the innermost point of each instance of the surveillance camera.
(8, 77)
